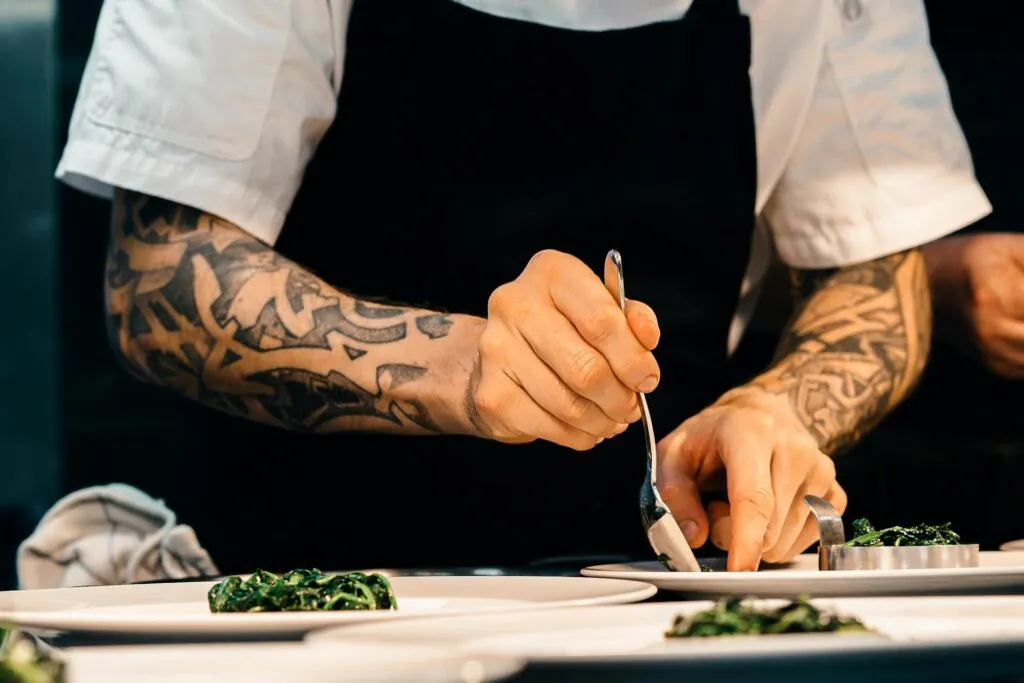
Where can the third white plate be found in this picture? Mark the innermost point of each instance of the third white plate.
(999, 572)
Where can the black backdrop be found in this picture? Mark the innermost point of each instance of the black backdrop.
(954, 452)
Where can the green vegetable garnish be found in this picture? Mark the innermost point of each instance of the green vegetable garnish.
(302, 590)
(22, 662)
(866, 536)
(663, 559)
(731, 617)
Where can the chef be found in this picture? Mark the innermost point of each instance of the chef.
(342, 223)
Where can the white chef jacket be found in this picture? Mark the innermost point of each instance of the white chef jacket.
(220, 105)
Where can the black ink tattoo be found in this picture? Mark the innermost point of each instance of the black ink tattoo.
(856, 346)
(198, 306)
(435, 325)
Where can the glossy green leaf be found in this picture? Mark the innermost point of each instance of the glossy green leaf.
(731, 616)
(302, 590)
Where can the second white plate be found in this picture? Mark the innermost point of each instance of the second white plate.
(180, 609)
(919, 639)
(999, 572)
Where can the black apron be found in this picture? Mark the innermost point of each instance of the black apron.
(465, 143)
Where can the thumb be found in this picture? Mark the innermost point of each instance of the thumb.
(679, 490)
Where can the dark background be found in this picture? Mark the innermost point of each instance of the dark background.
(954, 452)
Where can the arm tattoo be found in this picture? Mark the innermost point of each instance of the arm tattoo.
(856, 345)
(197, 305)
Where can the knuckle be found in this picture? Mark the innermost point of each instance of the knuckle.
(587, 371)
(760, 499)
(600, 323)
(545, 259)
(501, 299)
(577, 409)
(825, 467)
(764, 420)
(490, 399)
(489, 345)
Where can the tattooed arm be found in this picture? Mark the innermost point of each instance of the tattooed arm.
(855, 347)
(198, 306)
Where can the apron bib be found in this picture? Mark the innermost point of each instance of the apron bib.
(464, 144)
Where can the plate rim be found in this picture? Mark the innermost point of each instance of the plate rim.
(600, 571)
(81, 621)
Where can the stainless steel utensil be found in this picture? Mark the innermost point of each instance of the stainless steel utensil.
(835, 555)
(663, 532)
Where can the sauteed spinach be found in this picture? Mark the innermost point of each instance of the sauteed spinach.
(302, 590)
(22, 662)
(732, 617)
(866, 536)
(663, 559)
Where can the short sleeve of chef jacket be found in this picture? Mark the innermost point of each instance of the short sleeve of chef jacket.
(880, 163)
(216, 105)
(221, 105)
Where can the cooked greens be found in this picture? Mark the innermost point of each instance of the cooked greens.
(866, 536)
(302, 590)
(663, 559)
(732, 617)
(22, 662)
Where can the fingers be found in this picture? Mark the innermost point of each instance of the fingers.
(747, 457)
(580, 295)
(798, 469)
(679, 490)
(808, 534)
(720, 522)
(514, 417)
(644, 323)
(580, 366)
(554, 396)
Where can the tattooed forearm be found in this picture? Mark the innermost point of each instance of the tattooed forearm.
(855, 347)
(197, 305)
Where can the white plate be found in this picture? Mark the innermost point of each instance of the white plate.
(1012, 546)
(281, 663)
(181, 609)
(999, 572)
(919, 637)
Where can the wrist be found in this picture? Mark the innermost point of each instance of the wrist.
(763, 395)
(450, 363)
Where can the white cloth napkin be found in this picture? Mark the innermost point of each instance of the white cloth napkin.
(112, 534)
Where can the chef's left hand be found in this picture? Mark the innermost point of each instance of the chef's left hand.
(769, 462)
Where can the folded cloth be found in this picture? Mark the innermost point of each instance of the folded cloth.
(107, 535)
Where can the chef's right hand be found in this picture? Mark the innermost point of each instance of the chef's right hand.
(559, 360)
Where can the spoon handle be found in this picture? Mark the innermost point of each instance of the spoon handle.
(616, 283)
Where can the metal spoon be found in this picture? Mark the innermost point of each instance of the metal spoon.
(663, 532)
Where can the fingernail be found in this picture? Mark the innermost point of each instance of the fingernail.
(648, 384)
(599, 440)
(621, 428)
(690, 530)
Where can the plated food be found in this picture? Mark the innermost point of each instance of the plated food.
(21, 661)
(302, 590)
(733, 616)
(866, 536)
